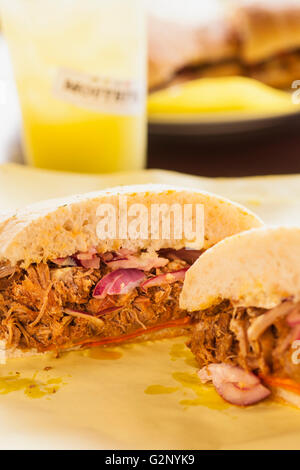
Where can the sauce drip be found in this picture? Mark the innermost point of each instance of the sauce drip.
(103, 354)
(32, 387)
(160, 390)
(205, 395)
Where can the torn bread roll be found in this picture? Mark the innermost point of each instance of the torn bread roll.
(61, 287)
(244, 297)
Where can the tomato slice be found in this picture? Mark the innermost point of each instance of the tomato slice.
(288, 384)
(135, 334)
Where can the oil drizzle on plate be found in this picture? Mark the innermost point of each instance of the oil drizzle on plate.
(160, 390)
(32, 387)
(103, 354)
(181, 351)
(205, 394)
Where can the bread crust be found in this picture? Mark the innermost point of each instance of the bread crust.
(172, 332)
(258, 268)
(61, 227)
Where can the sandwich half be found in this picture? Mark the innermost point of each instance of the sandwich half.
(64, 287)
(244, 295)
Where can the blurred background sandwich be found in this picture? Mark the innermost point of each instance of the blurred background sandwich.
(253, 38)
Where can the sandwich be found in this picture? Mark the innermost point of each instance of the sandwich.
(253, 38)
(66, 284)
(244, 298)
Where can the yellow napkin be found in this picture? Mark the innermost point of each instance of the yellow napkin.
(215, 95)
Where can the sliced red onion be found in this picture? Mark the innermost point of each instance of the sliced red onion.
(204, 375)
(6, 271)
(88, 260)
(92, 263)
(68, 261)
(234, 384)
(114, 259)
(85, 260)
(241, 396)
(293, 318)
(69, 311)
(292, 336)
(185, 254)
(168, 278)
(121, 254)
(109, 256)
(85, 315)
(295, 332)
(86, 255)
(121, 281)
(225, 372)
(144, 261)
(108, 310)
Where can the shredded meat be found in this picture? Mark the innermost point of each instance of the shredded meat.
(220, 335)
(33, 305)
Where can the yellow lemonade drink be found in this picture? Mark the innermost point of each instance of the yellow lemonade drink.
(80, 67)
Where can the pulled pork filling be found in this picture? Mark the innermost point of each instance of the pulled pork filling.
(89, 297)
(254, 339)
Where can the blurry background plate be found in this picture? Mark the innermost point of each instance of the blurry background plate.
(223, 124)
(219, 105)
